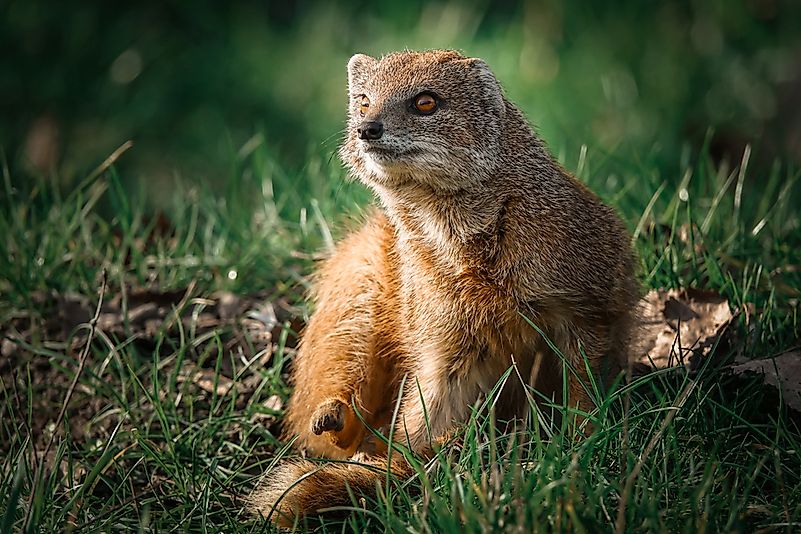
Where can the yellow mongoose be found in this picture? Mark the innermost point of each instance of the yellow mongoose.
(479, 227)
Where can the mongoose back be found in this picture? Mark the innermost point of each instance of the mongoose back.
(478, 230)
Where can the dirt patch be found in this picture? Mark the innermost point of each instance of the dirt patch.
(220, 342)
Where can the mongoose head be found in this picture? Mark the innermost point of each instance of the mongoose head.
(431, 118)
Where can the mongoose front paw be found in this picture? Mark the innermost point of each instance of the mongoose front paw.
(329, 416)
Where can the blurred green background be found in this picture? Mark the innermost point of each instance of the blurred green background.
(192, 83)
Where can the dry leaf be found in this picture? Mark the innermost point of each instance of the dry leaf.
(227, 305)
(205, 378)
(677, 324)
(7, 348)
(265, 314)
(273, 405)
(782, 372)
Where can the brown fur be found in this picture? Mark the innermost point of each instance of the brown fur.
(479, 225)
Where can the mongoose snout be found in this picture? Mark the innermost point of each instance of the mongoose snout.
(370, 130)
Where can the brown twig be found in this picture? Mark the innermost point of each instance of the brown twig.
(22, 413)
(620, 523)
(626, 411)
(38, 472)
(176, 314)
(109, 161)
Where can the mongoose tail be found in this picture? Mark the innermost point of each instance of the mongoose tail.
(303, 488)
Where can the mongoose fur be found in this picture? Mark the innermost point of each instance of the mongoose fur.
(478, 228)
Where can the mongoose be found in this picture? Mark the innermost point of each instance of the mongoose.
(479, 228)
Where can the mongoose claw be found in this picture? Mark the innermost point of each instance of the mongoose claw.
(329, 416)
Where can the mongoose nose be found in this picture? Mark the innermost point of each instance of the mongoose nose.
(370, 130)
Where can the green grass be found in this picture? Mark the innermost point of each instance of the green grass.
(141, 448)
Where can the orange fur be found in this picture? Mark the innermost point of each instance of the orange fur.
(479, 226)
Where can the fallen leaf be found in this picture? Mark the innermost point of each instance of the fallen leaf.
(265, 314)
(227, 305)
(680, 325)
(205, 380)
(272, 408)
(273, 403)
(782, 372)
(7, 348)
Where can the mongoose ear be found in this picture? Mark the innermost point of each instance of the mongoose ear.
(492, 91)
(358, 68)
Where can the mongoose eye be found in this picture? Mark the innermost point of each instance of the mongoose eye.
(363, 105)
(425, 103)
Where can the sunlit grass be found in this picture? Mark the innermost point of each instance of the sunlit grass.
(154, 453)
